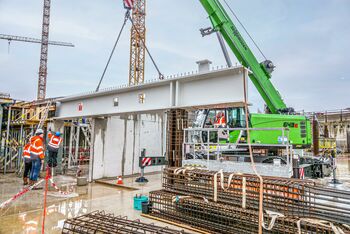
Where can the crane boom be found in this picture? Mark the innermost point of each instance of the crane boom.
(33, 40)
(260, 72)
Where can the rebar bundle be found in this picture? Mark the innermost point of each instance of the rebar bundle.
(177, 121)
(230, 201)
(100, 222)
(220, 218)
(292, 197)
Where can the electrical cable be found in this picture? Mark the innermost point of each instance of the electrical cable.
(244, 29)
(127, 15)
(161, 76)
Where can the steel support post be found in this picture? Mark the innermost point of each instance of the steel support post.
(91, 160)
(77, 144)
(7, 137)
(70, 149)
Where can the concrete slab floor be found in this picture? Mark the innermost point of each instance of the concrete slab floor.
(342, 174)
(25, 214)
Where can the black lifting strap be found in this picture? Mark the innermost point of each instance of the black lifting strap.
(161, 76)
(127, 16)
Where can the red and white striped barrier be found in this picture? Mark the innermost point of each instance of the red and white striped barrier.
(128, 4)
(58, 189)
(301, 173)
(146, 162)
(19, 194)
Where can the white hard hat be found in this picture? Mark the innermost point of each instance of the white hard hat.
(39, 131)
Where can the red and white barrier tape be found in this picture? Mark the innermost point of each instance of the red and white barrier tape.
(58, 189)
(19, 194)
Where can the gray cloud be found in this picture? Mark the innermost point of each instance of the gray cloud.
(307, 40)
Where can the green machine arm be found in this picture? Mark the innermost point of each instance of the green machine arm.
(261, 72)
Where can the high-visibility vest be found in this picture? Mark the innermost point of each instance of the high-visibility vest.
(55, 141)
(26, 152)
(222, 120)
(37, 147)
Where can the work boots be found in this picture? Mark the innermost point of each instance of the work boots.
(25, 181)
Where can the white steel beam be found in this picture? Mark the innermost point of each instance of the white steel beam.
(215, 88)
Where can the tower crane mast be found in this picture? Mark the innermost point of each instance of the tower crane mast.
(137, 41)
(44, 51)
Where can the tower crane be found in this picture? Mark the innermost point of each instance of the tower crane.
(44, 48)
(137, 41)
(44, 51)
(11, 38)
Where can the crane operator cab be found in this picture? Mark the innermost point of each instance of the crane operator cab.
(228, 125)
(225, 118)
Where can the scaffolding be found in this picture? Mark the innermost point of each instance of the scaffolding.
(20, 119)
(77, 143)
(19, 122)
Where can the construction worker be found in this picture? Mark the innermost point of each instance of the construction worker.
(36, 154)
(220, 120)
(54, 144)
(27, 163)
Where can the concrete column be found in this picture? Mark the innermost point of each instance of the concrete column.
(99, 147)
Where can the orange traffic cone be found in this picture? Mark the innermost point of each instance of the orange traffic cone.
(120, 180)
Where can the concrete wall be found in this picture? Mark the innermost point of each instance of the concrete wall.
(118, 141)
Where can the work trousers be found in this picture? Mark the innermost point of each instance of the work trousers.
(52, 162)
(27, 169)
(36, 166)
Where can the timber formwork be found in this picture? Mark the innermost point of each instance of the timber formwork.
(229, 203)
(177, 122)
(100, 222)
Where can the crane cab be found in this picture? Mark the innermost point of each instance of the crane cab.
(266, 128)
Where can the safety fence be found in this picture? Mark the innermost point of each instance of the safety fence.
(227, 149)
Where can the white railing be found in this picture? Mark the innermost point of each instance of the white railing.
(215, 146)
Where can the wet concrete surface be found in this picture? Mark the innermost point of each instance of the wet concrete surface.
(342, 174)
(25, 214)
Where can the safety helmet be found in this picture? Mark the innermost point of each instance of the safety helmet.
(39, 132)
(58, 134)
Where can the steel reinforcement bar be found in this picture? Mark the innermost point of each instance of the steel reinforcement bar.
(290, 197)
(214, 217)
(100, 222)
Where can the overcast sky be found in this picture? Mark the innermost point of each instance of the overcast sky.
(308, 40)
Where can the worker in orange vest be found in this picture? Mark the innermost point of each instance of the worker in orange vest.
(220, 120)
(27, 163)
(37, 155)
(53, 146)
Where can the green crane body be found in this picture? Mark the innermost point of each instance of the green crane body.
(260, 75)
(299, 126)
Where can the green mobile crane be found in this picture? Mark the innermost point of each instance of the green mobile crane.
(279, 116)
